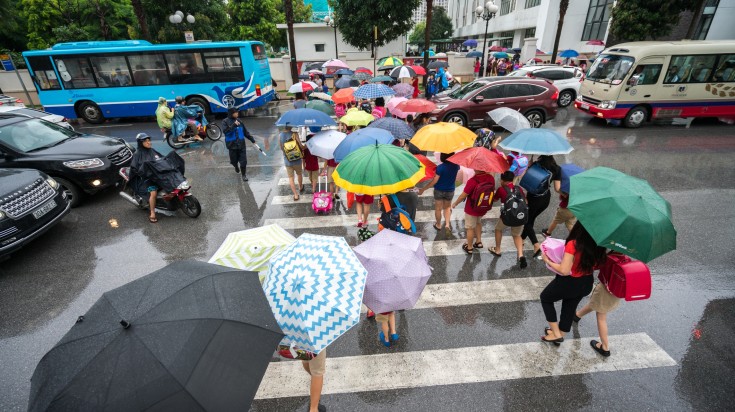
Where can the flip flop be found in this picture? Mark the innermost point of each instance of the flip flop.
(491, 249)
(478, 245)
(152, 219)
(437, 228)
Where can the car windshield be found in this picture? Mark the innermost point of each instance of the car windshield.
(610, 68)
(33, 134)
(465, 90)
(519, 73)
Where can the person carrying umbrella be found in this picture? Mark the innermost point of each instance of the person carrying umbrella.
(379, 110)
(299, 101)
(441, 80)
(235, 135)
(443, 184)
(539, 201)
(293, 154)
(311, 165)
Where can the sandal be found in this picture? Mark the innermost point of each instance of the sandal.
(437, 228)
(295, 198)
(478, 245)
(152, 219)
(554, 341)
(492, 250)
(466, 249)
(599, 349)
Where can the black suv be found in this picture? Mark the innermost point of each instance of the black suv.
(30, 204)
(81, 163)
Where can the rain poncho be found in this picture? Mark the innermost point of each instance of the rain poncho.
(182, 114)
(150, 168)
(164, 114)
(441, 79)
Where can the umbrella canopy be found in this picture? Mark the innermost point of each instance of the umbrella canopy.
(622, 213)
(403, 72)
(509, 119)
(440, 55)
(537, 141)
(515, 50)
(346, 82)
(470, 43)
(322, 144)
(537, 60)
(443, 137)
(362, 76)
(473, 54)
(391, 106)
(380, 79)
(397, 270)
(361, 138)
(305, 117)
(398, 128)
(430, 167)
(373, 90)
(364, 70)
(480, 158)
(335, 64)
(596, 43)
(501, 55)
(539, 51)
(495, 48)
(323, 107)
(321, 96)
(252, 249)
(344, 95)
(403, 89)
(302, 87)
(569, 53)
(315, 71)
(437, 64)
(389, 63)
(378, 169)
(315, 289)
(417, 106)
(568, 170)
(314, 66)
(418, 69)
(190, 336)
(347, 72)
(357, 117)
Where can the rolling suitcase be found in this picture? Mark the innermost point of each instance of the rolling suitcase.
(626, 278)
(322, 199)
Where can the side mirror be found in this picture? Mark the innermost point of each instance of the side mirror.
(478, 99)
(634, 80)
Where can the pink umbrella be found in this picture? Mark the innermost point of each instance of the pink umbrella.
(596, 43)
(391, 106)
(335, 64)
(496, 48)
(403, 89)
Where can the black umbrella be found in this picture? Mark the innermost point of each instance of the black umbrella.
(191, 336)
(437, 64)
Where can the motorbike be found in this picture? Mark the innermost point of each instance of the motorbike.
(194, 125)
(167, 203)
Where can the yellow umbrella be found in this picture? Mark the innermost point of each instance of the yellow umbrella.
(444, 138)
(357, 117)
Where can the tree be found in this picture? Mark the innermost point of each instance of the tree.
(417, 35)
(441, 27)
(212, 22)
(563, 6)
(142, 19)
(288, 8)
(356, 19)
(13, 34)
(301, 14)
(254, 20)
(634, 20)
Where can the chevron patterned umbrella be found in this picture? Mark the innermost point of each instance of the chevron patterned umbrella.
(252, 249)
(315, 289)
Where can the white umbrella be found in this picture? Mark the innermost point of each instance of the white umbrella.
(335, 64)
(321, 96)
(322, 144)
(301, 87)
(509, 119)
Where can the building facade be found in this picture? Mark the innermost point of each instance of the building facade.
(319, 9)
(419, 14)
(315, 41)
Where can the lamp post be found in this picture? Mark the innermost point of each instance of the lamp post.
(486, 13)
(178, 17)
(331, 23)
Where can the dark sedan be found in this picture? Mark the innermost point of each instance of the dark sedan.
(81, 163)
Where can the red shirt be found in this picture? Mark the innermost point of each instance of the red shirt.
(477, 67)
(470, 187)
(502, 194)
(310, 161)
(571, 248)
(332, 163)
(564, 200)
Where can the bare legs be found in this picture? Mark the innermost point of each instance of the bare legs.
(315, 389)
(152, 204)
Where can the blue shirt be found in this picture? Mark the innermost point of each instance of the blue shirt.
(447, 175)
(284, 137)
(299, 104)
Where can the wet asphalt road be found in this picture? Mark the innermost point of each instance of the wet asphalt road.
(44, 287)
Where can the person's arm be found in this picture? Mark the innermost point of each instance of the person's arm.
(557, 186)
(430, 185)
(460, 199)
(227, 125)
(246, 133)
(564, 268)
(169, 114)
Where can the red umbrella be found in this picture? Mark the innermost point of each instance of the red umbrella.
(419, 70)
(416, 106)
(344, 96)
(429, 166)
(480, 158)
(537, 60)
(596, 43)
(364, 70)
(496, 48)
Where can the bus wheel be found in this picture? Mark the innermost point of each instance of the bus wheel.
(199, 102)
(91, 113)
(635, 117)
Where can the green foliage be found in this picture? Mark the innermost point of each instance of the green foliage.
(417, 35)
(254, 20)
(212, 22)
(634, 20)
(356, 18)
(69, 32)
(441, 24)
(13, 34)
(301, 14)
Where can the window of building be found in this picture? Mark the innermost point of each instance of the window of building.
(705, 21)
(507, 39)
(529, 33)
(598, 16)
(43, 72)
(507, 6)
(319, 47)
(148, 69)
(532, 3)
(75, 72)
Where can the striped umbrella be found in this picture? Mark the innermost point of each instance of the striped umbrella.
(252, 249)
(403, 72)
(373, 90)
(403, 89)
(302, 87)
(419, 70)
(389, 63)
(398, 128)
(378, 169)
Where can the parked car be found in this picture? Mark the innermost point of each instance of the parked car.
(568, 79)
(30, 204)
(38, 114)
(81, 163)
(10, 101)
(469, 104)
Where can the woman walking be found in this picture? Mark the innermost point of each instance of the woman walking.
(573, 282)
(443, 184)
(539, 201)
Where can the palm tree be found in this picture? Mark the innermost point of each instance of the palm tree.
(563, 6)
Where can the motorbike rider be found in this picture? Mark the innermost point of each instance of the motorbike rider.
(235, 135)
(164, 114)
(181, 112)
(144, 154)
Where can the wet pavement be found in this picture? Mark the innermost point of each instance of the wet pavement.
(107, 242)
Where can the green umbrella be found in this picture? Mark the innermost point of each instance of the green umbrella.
(622, 213)
(378, 169)
(322, 106)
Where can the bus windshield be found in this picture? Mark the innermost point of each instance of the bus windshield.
(610, 68)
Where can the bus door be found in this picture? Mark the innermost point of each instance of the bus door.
(642, 85)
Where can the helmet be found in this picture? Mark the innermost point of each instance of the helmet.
(179, 99)
(142, 136)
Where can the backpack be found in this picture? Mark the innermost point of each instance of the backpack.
(519, 165)
(536, 180)
(514, 211)
(292, 150)
(484, 138)
(366, 107)
(481, 198)
(364, 234)
(396, 218)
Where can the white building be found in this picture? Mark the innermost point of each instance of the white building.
(419, 14)
(315, 42)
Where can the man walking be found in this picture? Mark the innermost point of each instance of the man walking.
(235, 134)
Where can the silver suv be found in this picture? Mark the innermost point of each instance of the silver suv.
(568, 79)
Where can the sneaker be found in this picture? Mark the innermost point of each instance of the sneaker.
(546, 233)
(237, 168)
(359, 223)
(522, 262)
(244, 178)
(394, 337)
(381, 337)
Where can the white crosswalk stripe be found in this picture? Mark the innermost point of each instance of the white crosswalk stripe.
(305, 198)
(313, 222)
(464, 365)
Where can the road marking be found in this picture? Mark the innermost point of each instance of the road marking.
(454, 246)
(464, 365)
(106, 126)
(315, 222)
(306, 198)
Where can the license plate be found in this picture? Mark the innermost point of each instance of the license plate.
(584, 106)
(44, 209)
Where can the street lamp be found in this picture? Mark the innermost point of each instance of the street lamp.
(178, 17)
(486, 13)
(331, 23)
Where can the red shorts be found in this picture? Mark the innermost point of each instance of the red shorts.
(364, 199)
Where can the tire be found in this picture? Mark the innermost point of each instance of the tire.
(456, 117)
(566, 98)
(90, 112)
(214, 132)
(171, 140)
(191, 207)
(199, 102)
(73, 193)
(535, 117)
(635, 117)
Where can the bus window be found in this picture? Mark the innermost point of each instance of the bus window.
(610, 68)
(185, 67)
(75, 73)
(691, 69)
(258, 52)
(113, 70)
(43, 72)
(148, 69)
(725, 69)
(647, 73)
(224, 65)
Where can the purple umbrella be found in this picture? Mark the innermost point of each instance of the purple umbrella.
(403, 89)
(397, 270)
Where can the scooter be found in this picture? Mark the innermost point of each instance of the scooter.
(166, 203)
(193, 129)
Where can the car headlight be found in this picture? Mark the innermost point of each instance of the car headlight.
(52, 182)
(84, 164)
(2, 215)
(608, 104)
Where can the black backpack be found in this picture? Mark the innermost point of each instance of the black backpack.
(514, 211)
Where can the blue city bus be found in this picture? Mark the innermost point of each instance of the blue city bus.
(98, 80)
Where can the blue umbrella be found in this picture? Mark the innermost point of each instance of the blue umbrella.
(537, 141)
(373, 90)
(379, 79)
(568, 53)
(305, 117)
(346, 82)
(515, 49)
(315, 289)
(362, 138)
(474, 53)
(347, 72)
(470, 43)
(568, 170)
(398, 128)
(501, 55)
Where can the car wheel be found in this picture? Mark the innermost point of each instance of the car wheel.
(458, 118)
(535, 117)
(199, 102)
(73, 193)
(635, 117)
(565, 98)
(91, 113)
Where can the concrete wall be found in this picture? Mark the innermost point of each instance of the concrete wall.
(306, 35)
(11, 86)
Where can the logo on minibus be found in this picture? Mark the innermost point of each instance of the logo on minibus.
(228, 100)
